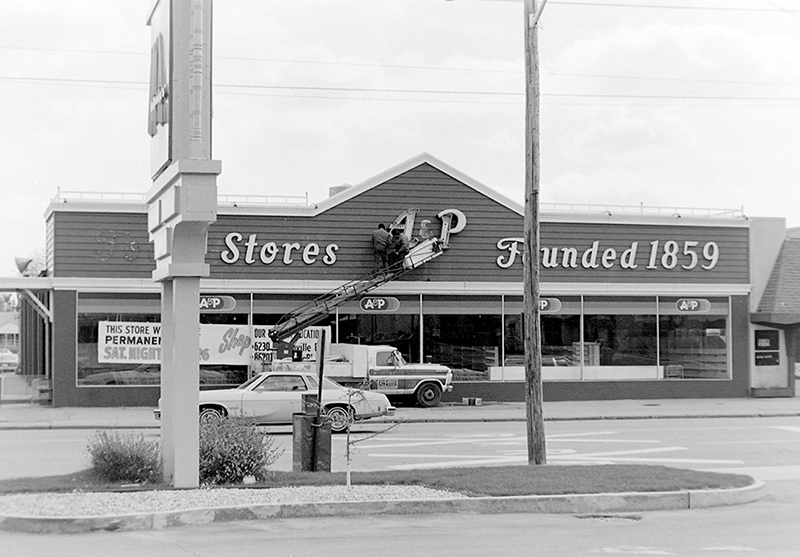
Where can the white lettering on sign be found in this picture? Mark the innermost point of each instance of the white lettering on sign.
(691, 305)
(268, 252)
(217, 303)
(549, 305)
(251, 250)
(125, 342)
(670, 255)
(140, 343)
(453, 222)
(511, 245)
(373, 303)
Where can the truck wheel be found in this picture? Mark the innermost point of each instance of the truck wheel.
(211, 415)
(340, 417)
(429, 395)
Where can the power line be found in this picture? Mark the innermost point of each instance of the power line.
(142, 84)
(437, 68)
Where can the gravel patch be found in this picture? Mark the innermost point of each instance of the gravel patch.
(89, 504)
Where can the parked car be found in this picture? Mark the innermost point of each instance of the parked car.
(271, 398)
(8, 359)
(146, 374)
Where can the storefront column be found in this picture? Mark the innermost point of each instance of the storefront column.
(180, 380)
(167, 381)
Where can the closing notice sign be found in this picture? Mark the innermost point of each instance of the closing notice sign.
(121, 342)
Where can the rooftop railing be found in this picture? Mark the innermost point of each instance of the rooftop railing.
(641, 209)
(222, 200)
(302, 201)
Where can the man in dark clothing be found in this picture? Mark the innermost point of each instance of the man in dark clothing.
(380, 244)
(398, 247)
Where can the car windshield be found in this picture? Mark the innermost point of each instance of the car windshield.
(248, 382)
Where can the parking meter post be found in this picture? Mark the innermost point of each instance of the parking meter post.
(318, 419)
(320, 369)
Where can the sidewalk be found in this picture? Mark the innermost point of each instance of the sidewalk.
(22, 415)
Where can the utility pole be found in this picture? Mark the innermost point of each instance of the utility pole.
(533, 350)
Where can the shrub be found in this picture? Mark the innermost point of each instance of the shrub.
(125, 457)
(232, 449)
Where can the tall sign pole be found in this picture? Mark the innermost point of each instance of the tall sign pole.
(533, 352)
(182, 203)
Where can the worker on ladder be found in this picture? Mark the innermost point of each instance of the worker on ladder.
(398, 247)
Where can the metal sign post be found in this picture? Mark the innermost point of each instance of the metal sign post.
(181, 205)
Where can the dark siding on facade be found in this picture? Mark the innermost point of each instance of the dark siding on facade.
(101, 245)
(117, 245)
(350, 225)
(65, 331)
(732, 245)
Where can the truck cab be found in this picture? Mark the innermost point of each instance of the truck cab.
(390, 374)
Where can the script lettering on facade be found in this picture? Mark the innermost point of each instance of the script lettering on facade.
(268, 252)
(687, 255)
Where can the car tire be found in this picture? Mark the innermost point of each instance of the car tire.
(211, 415)
(340, 418)
(429, 395)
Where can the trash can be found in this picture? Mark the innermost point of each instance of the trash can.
(311, 437)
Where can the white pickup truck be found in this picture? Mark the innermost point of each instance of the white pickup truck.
(381, 369)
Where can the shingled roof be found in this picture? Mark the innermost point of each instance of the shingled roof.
(780, 304)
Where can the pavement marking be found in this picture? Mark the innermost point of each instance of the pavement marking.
(564, 456)
(730, 549)
(451, 464)
(633, 550)
(421, 444)
(793, 429)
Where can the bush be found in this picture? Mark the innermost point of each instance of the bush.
(130, 458)
(232, 449)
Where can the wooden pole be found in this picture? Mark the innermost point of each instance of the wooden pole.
(533, 353)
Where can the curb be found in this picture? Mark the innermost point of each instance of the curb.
(547, 504)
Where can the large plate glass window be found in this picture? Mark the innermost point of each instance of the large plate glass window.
(398, 328)
(694, 338)
(464, 334)
(620, 338)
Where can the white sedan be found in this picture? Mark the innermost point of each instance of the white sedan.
(271, 398)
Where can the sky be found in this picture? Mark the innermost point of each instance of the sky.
(668, 103)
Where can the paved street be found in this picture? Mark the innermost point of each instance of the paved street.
(767, 448)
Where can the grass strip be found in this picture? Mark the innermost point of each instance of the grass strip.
(494, 481)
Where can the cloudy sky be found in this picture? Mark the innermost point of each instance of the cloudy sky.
(678, 103)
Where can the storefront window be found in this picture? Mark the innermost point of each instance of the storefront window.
(119, 342)
(607, 338)
(693, 338)
(620, 333)
(223, 319)
(560, 321)
(464, 335)
(398, 328)
(103, 362)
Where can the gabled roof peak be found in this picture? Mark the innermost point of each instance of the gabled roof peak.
(414, 162)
